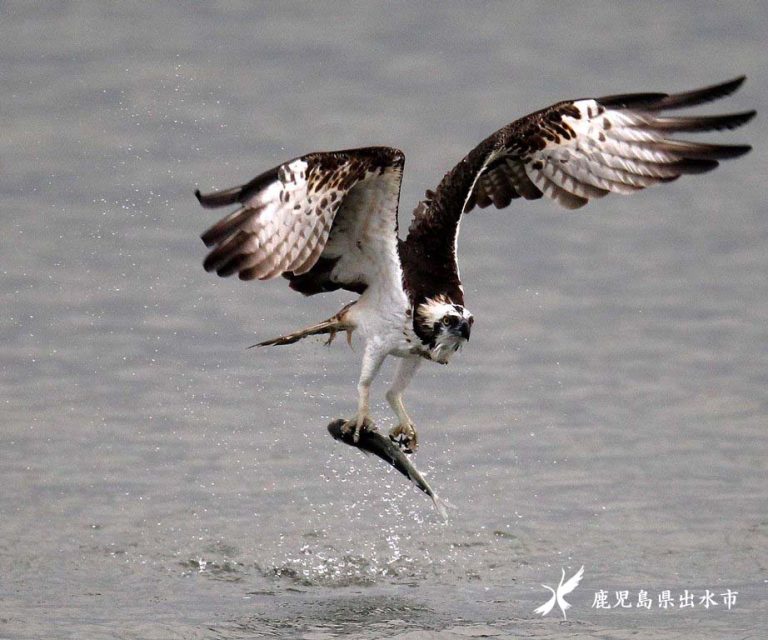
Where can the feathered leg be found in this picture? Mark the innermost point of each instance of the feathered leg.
(404, 434)
(372, 361)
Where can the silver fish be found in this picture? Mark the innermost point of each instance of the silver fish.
(371, 441)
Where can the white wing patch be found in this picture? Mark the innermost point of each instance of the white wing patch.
(610, 151)
(289, 224)
(337, 205)
(577, 150)
(364, 238)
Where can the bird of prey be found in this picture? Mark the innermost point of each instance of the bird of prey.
(562, 590)
(328, 220)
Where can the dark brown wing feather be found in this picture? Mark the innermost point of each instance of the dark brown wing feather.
(571, 152)
(324, 221)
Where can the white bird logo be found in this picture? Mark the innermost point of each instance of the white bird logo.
(562, 590)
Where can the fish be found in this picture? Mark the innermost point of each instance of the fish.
(371, 441)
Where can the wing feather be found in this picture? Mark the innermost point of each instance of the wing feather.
(572, 582)
(571, 152)
(616, 144)
(290, 215)
(554, 190)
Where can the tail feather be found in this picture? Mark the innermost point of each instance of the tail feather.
(333, 325)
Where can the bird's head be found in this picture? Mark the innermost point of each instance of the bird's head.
(443, 326)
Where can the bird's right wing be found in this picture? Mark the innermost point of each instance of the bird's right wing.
(325, 221)
(572, 582)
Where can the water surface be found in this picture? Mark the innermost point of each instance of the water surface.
(161, 481)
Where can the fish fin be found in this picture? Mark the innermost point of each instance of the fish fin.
(442, 506)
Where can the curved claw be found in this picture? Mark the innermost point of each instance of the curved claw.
(405, 437)
(357, 425)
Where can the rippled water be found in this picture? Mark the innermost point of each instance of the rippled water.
(161, 481)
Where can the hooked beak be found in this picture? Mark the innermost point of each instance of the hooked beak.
(464, 329)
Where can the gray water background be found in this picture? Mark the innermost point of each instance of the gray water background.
(161, 481)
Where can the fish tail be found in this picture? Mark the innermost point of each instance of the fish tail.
(442, 505)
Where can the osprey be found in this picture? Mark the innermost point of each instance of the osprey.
(328, 220)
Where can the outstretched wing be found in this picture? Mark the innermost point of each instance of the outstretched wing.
(571, 152)
(325, 221)
(582, 149)
(571, 583)
(548, 605)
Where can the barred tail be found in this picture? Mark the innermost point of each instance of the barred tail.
(333, 325)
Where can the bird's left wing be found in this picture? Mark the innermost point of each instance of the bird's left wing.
(571, 152)
(548, 605)
(577, 150)
(325, 221)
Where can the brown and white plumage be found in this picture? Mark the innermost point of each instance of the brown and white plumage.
(584, 149)
(570, 152)
(339, 209)
(327, 221)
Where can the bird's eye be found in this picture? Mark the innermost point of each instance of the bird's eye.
(446, 320)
